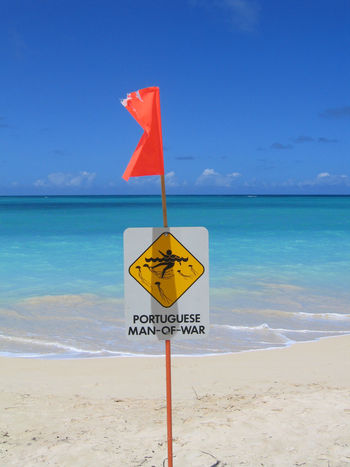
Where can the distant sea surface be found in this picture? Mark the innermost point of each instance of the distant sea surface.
(279, 272)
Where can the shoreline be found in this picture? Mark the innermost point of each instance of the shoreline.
(162, 355)
(284, 407)
(303, 353)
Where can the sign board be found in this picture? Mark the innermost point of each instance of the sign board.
(166, 277)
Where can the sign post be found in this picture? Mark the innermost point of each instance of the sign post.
(169, 409)
(166, 277)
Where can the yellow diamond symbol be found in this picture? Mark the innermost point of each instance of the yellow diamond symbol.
(166, 269)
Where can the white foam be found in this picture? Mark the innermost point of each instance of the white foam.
(265, 326)
(57, 345)
(336, 316)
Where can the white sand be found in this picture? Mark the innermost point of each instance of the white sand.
(286, 407)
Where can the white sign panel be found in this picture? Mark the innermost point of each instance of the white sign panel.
(166, 279)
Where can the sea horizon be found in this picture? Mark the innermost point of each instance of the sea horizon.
(153, 195)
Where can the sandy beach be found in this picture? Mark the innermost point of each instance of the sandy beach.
(282, 407)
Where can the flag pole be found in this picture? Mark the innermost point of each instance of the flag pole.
(167, 355)
(165, 220)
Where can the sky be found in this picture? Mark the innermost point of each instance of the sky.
(255, 95)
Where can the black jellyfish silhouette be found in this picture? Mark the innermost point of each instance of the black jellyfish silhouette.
(161, 292)
(142, 279)
(183, 275)
(156, 273)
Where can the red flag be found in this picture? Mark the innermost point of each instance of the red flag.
(144, 106)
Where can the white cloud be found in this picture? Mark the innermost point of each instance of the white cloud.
(61, 180)
(171, 180)
(147, 180)
(325, 178)
(243, 14)
(209, 172)
(322, 179)
(212, 178)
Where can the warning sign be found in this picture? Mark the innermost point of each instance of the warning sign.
(166, 269)
(166, 282)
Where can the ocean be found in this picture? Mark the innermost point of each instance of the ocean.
(279, 272)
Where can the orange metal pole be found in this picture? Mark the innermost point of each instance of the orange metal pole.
(169, 407)
(167, 357)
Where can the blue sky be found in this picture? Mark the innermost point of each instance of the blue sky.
(254, 95)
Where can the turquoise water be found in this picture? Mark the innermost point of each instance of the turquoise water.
(279, 271)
